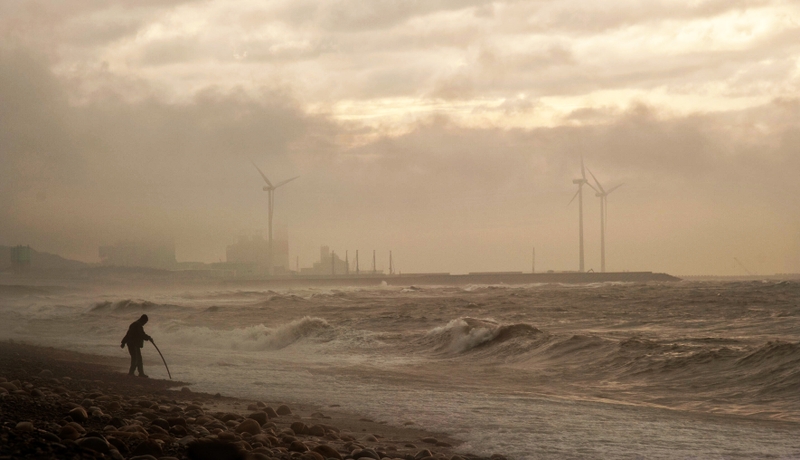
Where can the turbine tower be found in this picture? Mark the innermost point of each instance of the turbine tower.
(579, 194)
(603, 194)
(270, 189)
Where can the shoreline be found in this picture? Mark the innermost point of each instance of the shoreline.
(57, 403)
(132, 276)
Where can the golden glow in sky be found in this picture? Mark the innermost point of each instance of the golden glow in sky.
(684, 56)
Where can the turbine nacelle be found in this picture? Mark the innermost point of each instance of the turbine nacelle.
(269, 187)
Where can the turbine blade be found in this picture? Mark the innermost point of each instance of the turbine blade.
(596, 182)
(592, 187)
(262, 174)
(573, 198)
(614, 188)
(286, 181)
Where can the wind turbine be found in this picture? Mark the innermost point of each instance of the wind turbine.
(603, 194)
(270, 189)
(579, 194)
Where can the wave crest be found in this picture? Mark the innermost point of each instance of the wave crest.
(464, 334)
(252, 338)
(129, 305)
(771, 353)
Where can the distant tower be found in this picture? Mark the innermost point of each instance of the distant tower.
(533, 262)
(373, 262)
(579, 195)
(357, 262)
(603, 195)
(297, 265)
(333, 262)
(346, 262)
(391, 269)
(270, 189)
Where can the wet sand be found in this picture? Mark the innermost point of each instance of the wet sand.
(61, 404)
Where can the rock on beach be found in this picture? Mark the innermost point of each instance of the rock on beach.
(56, 404)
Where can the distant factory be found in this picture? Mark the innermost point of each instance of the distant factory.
(251, 254)
(329, 264)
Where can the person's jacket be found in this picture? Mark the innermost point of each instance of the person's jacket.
(135, 336)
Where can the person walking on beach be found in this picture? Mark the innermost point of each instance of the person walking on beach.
(135, 340)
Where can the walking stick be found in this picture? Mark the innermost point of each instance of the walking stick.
(162, 358)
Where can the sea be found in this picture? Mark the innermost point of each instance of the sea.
(678, 370)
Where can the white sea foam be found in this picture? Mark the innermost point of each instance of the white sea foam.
(464, 334)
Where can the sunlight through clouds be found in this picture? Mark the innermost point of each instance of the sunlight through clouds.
(467, 62)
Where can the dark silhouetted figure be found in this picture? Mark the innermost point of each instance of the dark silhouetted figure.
(135, 340)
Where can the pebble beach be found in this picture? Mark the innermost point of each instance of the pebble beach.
(62, 404)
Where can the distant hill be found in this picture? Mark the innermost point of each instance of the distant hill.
(41, 261)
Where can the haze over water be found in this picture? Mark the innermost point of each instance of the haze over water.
(676, 370)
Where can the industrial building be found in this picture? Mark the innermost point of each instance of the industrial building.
(329, 264)
(253, 252)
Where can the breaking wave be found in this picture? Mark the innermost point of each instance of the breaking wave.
(129, 305)
(232, 294)
(773, 368)
(274, 297)
(252, 338)
(720, 366)
(725, 369)
(465, 334)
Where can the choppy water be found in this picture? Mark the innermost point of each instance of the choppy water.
(678, 370)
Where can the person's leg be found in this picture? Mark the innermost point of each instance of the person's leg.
(141, 363)
(134, 360)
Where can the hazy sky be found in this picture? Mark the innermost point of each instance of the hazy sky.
(447, 131)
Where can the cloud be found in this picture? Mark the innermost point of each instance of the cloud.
(110, 169)
(352, 15)
(448, 131)
(37, 142)
(446, 50)
(77, 22)
(592, 18)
